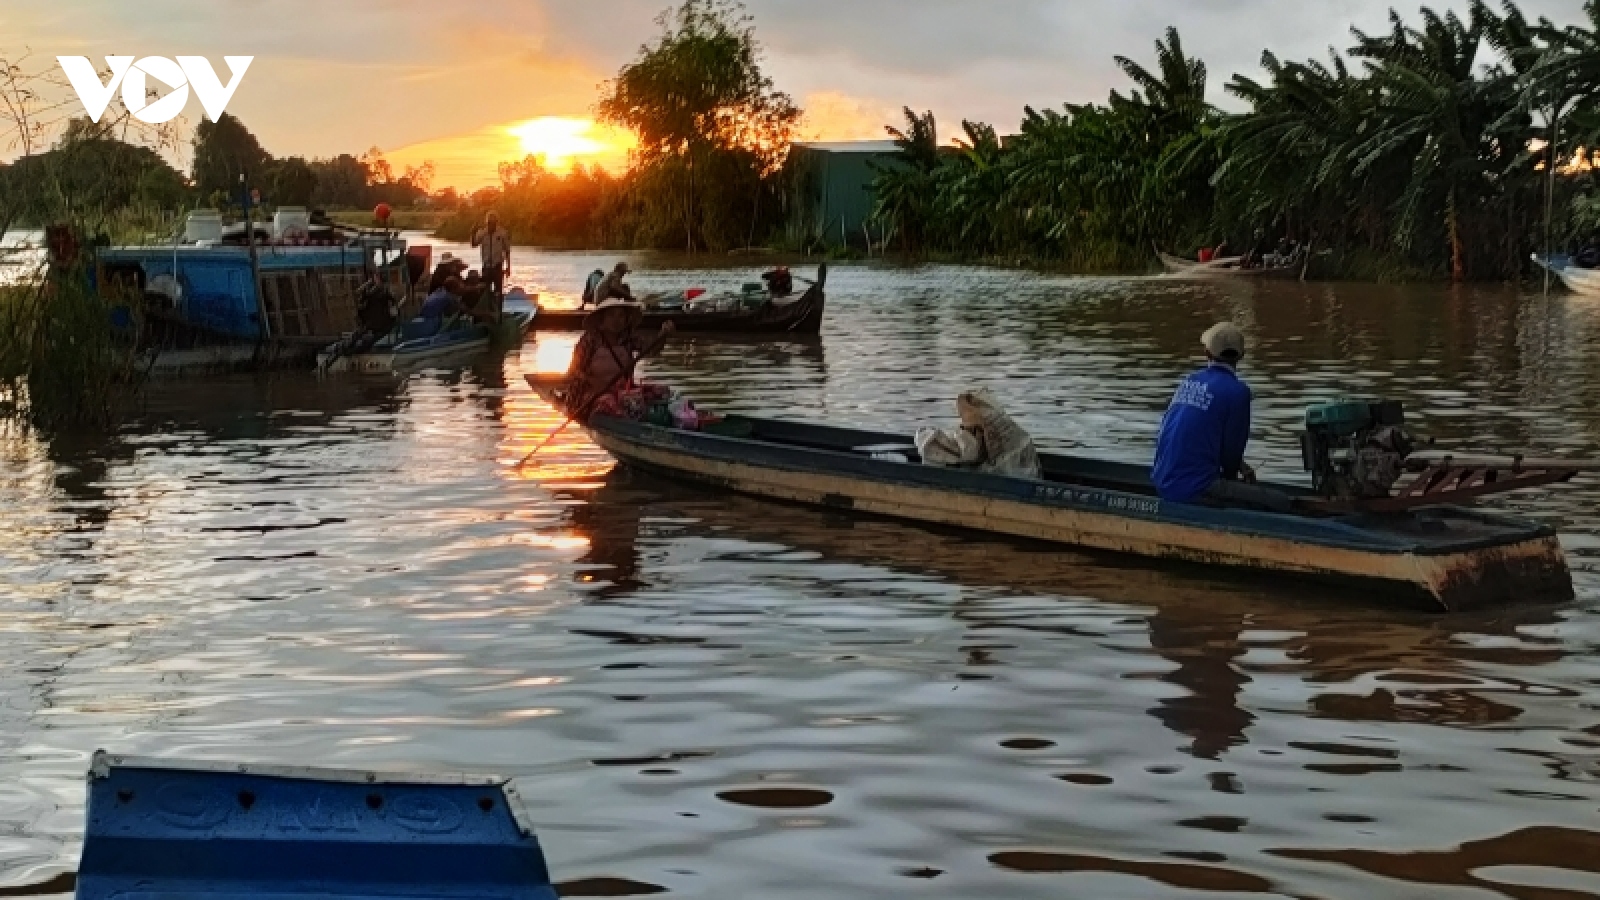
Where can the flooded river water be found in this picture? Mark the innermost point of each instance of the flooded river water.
(718, 697)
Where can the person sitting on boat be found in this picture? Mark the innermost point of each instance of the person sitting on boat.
(1589, 256)
(443, 303)
(612, 286)
(589, 286)
(1200, 451)
(1257, 255)
(779, 282)
(603, 362)
(474, 288)
(449, 264)
(374, 313)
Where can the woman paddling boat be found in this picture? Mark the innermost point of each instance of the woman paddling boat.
(601, 373)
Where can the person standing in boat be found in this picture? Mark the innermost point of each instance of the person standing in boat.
(1200, 451)
(603, 362)
(495, 244)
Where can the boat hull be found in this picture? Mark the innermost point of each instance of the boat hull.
(803, 316)
(1528, 566)
(413, 354)
(1583, 282)
(1223, 268)
(230, 831)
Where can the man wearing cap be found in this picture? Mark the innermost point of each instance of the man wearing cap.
(1200, 452)
(612, 287)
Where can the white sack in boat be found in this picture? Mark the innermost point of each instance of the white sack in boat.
(989, 440)
(949, 447)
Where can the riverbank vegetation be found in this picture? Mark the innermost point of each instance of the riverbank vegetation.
(707, 174)
(1402, 157)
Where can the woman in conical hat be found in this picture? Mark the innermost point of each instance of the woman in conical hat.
(611, 346)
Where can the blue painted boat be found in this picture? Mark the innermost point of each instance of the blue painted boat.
(306, 296)
(1440, 557)
(1580, 281)
(416, 343)
(191, 830)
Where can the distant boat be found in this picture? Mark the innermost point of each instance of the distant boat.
(747, 312)
(1580, 281)
(1228, 267)
(411, 347)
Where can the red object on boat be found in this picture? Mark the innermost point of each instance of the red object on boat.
(692, 293)
(1207, 254)
(381, 212)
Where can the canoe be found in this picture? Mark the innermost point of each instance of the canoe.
(1441, 558)
(165, 828)
(800, 315)
(1580, 281)
(456, 343)
(1226, 267)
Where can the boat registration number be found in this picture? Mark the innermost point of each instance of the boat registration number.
(1104, 499)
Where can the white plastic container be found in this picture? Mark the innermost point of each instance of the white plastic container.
(202, 225)
(291, 224)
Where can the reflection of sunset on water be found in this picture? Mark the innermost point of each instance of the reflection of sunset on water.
(553, 353)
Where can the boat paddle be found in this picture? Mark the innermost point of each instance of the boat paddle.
(588, 407)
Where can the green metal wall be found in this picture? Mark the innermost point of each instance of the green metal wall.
(834, 191)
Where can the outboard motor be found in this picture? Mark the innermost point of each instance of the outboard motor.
(1355, 449)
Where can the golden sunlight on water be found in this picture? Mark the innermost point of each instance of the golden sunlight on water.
(722, 697)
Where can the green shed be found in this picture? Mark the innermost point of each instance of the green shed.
(833, 189)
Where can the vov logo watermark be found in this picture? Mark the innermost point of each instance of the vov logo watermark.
(188, 71)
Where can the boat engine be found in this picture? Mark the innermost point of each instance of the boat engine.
(1355, 449)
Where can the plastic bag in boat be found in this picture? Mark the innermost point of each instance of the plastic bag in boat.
(949, 447)
(988, 440)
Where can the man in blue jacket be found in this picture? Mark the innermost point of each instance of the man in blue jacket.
(1200, 453)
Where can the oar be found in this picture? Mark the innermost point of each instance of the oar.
(625, 374)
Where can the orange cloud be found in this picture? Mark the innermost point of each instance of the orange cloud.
(471, 161)
(836, 116)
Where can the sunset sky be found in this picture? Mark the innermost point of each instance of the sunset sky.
(469, 85)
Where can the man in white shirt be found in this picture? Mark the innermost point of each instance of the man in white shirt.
(495, 244)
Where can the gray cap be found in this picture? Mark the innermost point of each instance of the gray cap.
(1223, 339)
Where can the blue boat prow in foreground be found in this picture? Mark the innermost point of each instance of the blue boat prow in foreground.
(160, 828)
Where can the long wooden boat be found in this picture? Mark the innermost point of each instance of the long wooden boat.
(1580, 281)
(800, 315)
(1227, 267)
(1444, 558)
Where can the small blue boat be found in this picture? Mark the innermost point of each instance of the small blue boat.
(1580, 281)
(420, 342)
(1439, 557)
(192, 830)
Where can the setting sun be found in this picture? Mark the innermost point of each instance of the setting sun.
(558, 141)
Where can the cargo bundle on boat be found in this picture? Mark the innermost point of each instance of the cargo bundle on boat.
(1416, 543)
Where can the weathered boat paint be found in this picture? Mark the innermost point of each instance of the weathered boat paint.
(165, 828)
(1448, 558)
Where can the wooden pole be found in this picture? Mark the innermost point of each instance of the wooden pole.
(255, 264)
(1550, 190)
